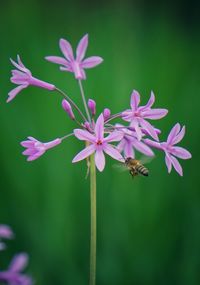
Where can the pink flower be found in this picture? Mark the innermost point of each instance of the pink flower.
(138, 115)
(72, 64)
(92, 106)
(23, 77)
(171, 151)
(5, 232)
(98, 144)
(130, 142)
(36, 148)
(13, 275)
(68, 109)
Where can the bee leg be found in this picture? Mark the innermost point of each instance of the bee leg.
(131, 173)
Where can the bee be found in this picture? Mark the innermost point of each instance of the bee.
(136, 167)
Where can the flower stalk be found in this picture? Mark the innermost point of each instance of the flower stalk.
(93, 225)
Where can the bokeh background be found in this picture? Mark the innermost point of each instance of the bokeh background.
(148, 229)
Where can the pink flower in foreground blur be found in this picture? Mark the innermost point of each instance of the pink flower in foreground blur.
(5, 232)
(23, 77)
(13, 275)
(36, 148)
(175, 136)
(137, 115)
(72, 64)
(130, 142)
(98, 144)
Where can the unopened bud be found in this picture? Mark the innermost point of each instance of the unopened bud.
(92, 106)
(106, 113)
(67, 107)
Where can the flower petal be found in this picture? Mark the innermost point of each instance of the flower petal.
(91, 62)
(153, 144)
(150, 129)
(36, 155)
(135, 100)
(168, 162)
(179, 136)
(81, 48)
(143, 148)
(100, 160)
(176, 165)
(154, 114)
(180, 152)
(113, 152)
(84, 153)
(66, 49)
(151, 101)
(6, 232)
(174, 131)
(128, 149)
(84, 135)
(99, 127)
(14, 92)
(57, 59)
(114, 137)
(135, 125)
(19, 262)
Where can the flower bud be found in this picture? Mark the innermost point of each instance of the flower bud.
(92, 106)
(67, 107)
(106, 113)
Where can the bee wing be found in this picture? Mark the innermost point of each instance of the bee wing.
(146, 159)
(120, 167)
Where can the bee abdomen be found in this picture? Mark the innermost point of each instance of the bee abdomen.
(142, 170)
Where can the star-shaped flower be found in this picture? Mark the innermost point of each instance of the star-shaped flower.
(36, 148)
(98, 144)
(13, 275)
(171, 151)
(137, 116)
(76, 64)
(23, 77)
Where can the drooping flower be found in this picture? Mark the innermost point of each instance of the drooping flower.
(76, 64)
(13, 275)
(98, 144)
(171, 151)
(23, 77)
(130, 143)
(6, 233)
(36, 148)
(137, 116)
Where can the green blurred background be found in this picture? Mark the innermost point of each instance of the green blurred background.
(148, 229)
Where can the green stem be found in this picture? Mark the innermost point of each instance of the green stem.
(84, 101)
(93, 221)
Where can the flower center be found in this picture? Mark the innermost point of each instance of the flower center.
(99, 142)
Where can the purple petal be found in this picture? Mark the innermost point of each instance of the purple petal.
(100, 160)
(113, 152)
(23, 69)
(106, 114)
(135, 125)
(69, 68)
(150, 129)
(57, 59)
(179, 136)
(19, 262)
(84, 153)
(180, 152)
(81, 48)
(128, 149)
(27, 143)
(151, 101)
(99, 127)
(14, 92)
(177, 165)
(140, 146)
(84, 135)
(30, 151)
(66, 49)
(6, 232)
(36, 156)
(168, 162)
(154, 114)
(174, 131)
(135, 100)
(114, 137)
(153, 144)
(91, 62)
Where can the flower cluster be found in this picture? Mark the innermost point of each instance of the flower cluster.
(100, 133)
(13, 274)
